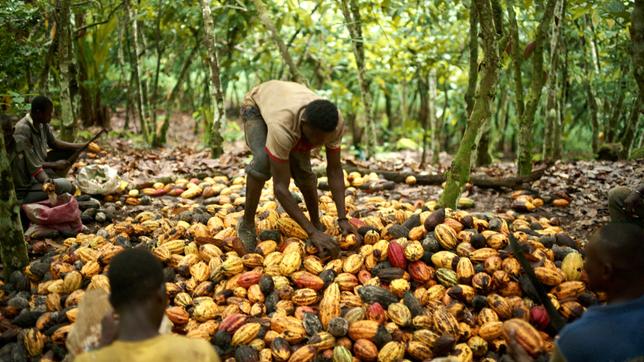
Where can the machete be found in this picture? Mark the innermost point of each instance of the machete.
(556, 320)
(75, 155)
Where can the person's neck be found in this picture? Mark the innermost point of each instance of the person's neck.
(136, 326)
(625, 293)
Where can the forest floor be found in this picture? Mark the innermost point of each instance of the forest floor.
(584, 183)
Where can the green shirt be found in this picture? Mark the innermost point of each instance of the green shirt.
(32, 143)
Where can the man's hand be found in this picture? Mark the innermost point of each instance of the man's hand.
(632, 202)
(347, 228)
(325, 244)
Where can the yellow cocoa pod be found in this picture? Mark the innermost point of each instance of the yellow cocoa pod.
(245, 334)
(446, 236)
(392, 352)
(353, 263)
(399, 314)
(572, 266)
(419, 351)
(305, 296)
(290, 263)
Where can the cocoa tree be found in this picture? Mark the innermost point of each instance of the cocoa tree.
(459, 171)
(13, 249)
(216, 93)
(353, 21)
(68, 129)
(524, 159)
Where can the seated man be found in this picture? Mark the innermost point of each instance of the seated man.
(283, 122)
(627, 205)
(139, 299)
(613, 332)
(33, 164)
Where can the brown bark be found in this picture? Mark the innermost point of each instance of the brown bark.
(354, 25)
(459, 171)
(524, 159)
(216, 140)
(13, 250)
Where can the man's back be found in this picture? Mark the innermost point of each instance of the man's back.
(164, 348)
(605, 333)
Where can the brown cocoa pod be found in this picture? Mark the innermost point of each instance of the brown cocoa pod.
(249, 278)
(304, 279)
(177, 315)
(419, 271)
(280, 349)
(365, 350)
(524, 334)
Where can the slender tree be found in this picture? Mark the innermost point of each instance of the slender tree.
(459, 171)
(552, 103)
(13, 249)
(216, 140)
(473, 61)
(132, 29)
(524, 162)
(68, 130)
(353, 21)
(266, 20)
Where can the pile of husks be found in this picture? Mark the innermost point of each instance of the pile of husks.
(423, 283)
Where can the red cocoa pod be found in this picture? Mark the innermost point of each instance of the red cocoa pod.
(396, 255)
(420, 271)
(304, 279)
(249, 278)
(539, 317)
(232, 323)
(377, 313)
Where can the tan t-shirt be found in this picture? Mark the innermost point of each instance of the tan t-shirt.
(163, 348)
(282, 105)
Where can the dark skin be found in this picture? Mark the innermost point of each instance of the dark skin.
(136, 321)
(44, 117)
(634, 200)
(606, 271)
(281, 172)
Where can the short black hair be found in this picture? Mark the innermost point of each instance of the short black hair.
(322, 115)
(623, 243)
(41, 104)
(135, 275)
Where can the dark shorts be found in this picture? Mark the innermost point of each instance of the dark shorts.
(255, 131)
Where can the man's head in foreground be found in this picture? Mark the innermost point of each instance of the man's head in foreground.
(41, 109)
(320, 120)
(615, 260)
(137, 286)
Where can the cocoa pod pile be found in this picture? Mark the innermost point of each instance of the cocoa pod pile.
(424, 282)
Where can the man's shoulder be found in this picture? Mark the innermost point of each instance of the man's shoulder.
(22, 127)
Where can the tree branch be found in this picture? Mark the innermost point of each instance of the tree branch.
(80, 30)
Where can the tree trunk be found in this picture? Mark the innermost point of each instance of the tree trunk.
(51, 53)
(517, 59)
(217, 95)
(156, 141)
(459, 171)
(423, 114)
(632, 125)
(563, 99)
(354, 25)
(524, 162)
(590, 98)
(270, 25)
(134, 65)
(474, 55)
(170, 98)
(13, 249)
(68, 129)
(431, 109)
(613, 121)
(437, 125)
(404, 105)
(637, 37)
(552, 111)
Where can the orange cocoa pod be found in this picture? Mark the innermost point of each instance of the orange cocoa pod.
(525, 334)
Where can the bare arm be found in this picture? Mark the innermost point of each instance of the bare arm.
(67, 146)
(336, 180)
(281, 178)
